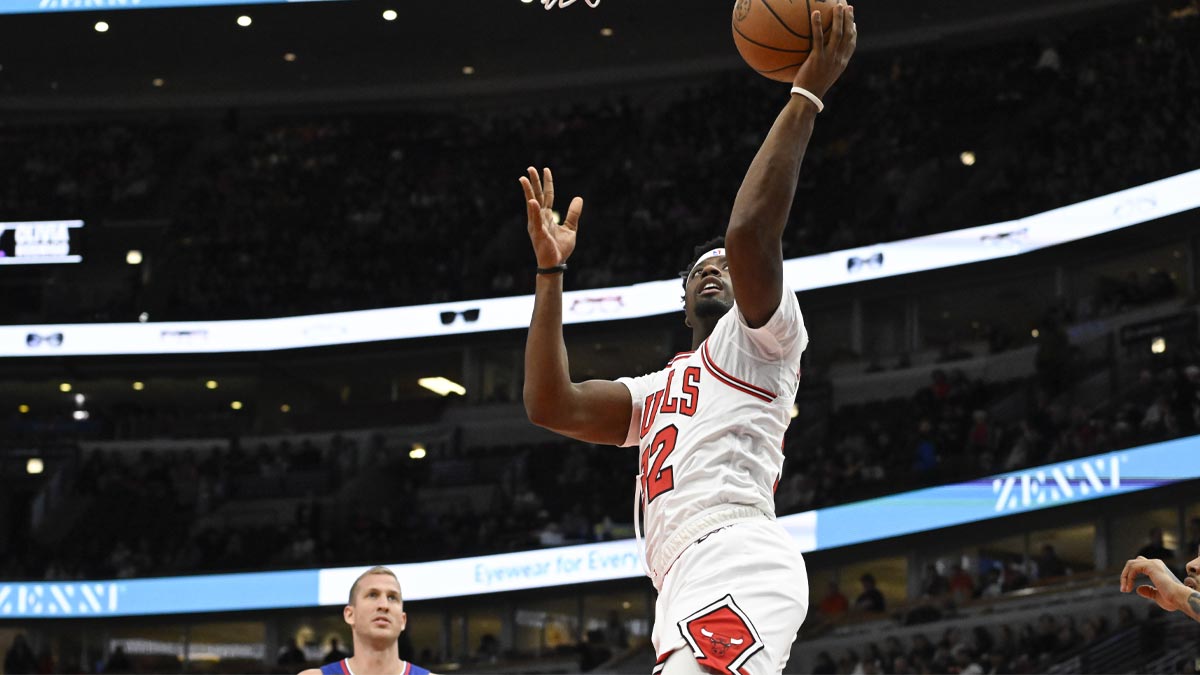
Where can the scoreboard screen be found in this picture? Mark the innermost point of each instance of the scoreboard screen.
(46, 242)
(53, 6)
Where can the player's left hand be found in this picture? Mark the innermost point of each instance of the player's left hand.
(830, 52)
(1166, 587)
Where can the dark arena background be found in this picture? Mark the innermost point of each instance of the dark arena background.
(265, 285)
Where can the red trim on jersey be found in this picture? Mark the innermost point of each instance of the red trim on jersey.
(661, 662)
(345, 667)
(740, 385)
(679, 356)
(407, 668)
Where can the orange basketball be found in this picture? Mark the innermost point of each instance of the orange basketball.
(774, 36)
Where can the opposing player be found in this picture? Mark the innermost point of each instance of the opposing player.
(732, 585)
(1165, 588)
(376, 616)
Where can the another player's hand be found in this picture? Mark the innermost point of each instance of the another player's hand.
(552, 242)
(830, 53)
(1166, 589)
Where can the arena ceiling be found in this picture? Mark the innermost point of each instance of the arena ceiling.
(346, 51)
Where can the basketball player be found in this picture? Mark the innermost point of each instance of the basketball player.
(1166, 589)
(732, 585)
(376, 617)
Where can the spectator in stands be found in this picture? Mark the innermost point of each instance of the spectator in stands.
(1125, 617)
(1193, 538)
(489, 649)
(962, 586)
(925, 452)
(1049, 565)
(964, 661)
(1053, 356)
(291, 656)
(335, 652)
(922, 649)
(1155, 549)
(933, 584)
(870, 600)
(1046, 640)
(118, 662)
(615, 632)
(993, 584)
(834, 604)
(824, 665)
(925, 611)
(20, 658)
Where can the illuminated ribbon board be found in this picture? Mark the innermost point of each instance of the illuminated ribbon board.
(988, 242)
(1096, 477)
(53, 6)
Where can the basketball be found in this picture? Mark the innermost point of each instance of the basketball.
(774, 36)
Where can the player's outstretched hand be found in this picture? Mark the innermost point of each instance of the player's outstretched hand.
(830, 52)
(552, 242)
(1166, 589)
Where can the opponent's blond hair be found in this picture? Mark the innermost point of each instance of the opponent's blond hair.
(378, 569)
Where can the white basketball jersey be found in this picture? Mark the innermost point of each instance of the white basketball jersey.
(710, 427)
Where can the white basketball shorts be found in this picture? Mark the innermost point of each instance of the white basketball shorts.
(735, 600)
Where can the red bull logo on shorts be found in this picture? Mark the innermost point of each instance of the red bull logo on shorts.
(721, 636)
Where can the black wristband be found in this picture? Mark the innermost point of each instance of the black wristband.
(557, 269)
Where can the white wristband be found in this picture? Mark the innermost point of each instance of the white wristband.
(810, 96)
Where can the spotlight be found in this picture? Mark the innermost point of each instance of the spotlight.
(34, 466)
(138, 386)
(417, 452)
(967, 158)
(606, 32)
(1158, 345)
(101, 26)
(236, 405)
(285, 408)
(389, 15)
(468, 70)
(211, 384)
(134, 256)
(65, 387)
(158, 82)
(244, 21)
(289, 57)
(23, 409)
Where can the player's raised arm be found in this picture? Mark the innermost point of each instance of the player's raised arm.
(596, 411)
(753, 240)
(1164, 587)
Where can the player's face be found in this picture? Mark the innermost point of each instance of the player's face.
(1193, 573)
(378, 610)
(709, 289)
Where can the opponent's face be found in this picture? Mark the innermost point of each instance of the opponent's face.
(378, 610)
(1192, 580)
(709, 290)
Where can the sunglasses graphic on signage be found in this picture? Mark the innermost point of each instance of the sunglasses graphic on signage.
(469, 316)
(52, 340)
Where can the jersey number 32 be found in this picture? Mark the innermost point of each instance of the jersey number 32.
(655, 479)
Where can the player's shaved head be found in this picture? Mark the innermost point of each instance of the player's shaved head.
(376, 570)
